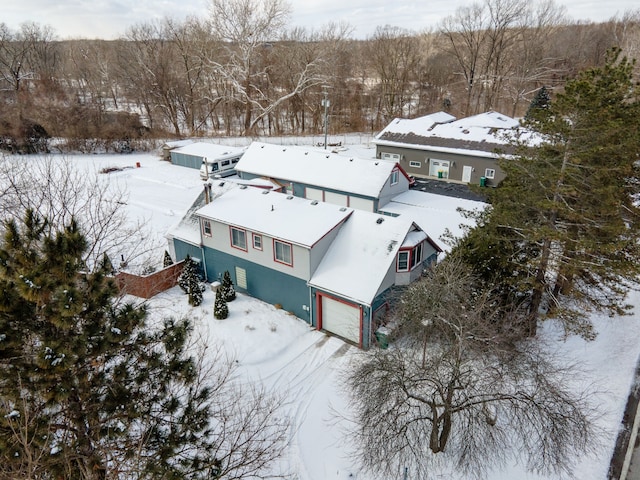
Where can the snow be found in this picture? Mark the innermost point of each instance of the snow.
(285, 355)
(339, 172)
(361, 255)
(208, 150)
(294, 219)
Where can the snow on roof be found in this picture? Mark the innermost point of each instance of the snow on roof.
(359, 258)
(177, 143)
(327, 170)
(433, 213)
(479, 135)
(417, 125)
(208, 150)
(293, 219)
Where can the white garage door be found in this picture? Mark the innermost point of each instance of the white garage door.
(314, 194)
(336, 199)
(361, 204)
(341, 318)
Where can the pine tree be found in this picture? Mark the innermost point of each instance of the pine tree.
(220, 307)
(190, 282)
(566, 212)
(85, 382)
(167, 261)
(541, 102)
(227, 287)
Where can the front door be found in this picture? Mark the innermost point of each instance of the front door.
(466, 174)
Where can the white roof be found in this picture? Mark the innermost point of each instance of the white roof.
(419, 126)
(208, 150)
(432, 213)
(359, 258)
(293, 219)
(177, 143)
(327, 170)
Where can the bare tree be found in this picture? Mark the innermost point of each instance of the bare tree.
(57, 190)
(460, 387)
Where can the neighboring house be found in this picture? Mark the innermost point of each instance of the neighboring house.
(358, 183)
(193, 154)
(438, 146)
(172, 145)
(332, 266)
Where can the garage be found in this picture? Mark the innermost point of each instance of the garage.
(336, 199)
(314, 194)
(340, 318)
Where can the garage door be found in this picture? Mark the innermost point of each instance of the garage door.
(314, 194)
(341, 318)
(336, 199)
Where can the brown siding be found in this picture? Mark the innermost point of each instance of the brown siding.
(149, 285)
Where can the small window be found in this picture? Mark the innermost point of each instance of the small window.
(415, 164)
(238, 239)
(403, 261)
(490, 173)
(215, 167)
(416, 256)
(206, 228)
(226, 163)
(257, 241)
(390, 156)
(394, 177)
(235, 160)
(282, 252)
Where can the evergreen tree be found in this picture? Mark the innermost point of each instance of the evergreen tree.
(220, 307)
(563, 226)
(227, 287)
(167, 261)
(87, 390)
(541, 102)
(190, 281)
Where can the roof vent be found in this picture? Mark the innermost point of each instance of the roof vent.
(327, 156)
(343, 209)
(465, 131)
(380, 220)
(315, 202)
(264, 192)
(289, 197)
(284, 149)
(377, 163)
(221, 184)
(351, 159)
(306, 153)
(243, 187)
(261, 146)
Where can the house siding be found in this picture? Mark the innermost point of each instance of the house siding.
(185, 160)
(182, 249)
(221, 240)
(479, 164)
(264, 283)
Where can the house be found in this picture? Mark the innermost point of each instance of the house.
(358, 183)
(194, 154)
(440, 147)
(172, 145)
(332, 266)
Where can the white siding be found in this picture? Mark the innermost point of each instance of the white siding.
(314, 194)
(336, 199)
(361, 204)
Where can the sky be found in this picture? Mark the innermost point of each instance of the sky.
(109, 19)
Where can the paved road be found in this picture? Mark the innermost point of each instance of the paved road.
(450, 189)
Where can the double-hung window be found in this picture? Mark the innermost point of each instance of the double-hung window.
(403, 261)
(394, 176)
(410, 258)
(206, 228)
(257, 241)
(282, 252)
(238, 238)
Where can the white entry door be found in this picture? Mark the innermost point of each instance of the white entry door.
(466, 173)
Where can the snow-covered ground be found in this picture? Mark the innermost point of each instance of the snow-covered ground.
(284, 354)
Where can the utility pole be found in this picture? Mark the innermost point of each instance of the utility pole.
(325, 104)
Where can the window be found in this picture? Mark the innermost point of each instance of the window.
(403, 261)
(226, 163)
(490, 173)
(238, 239)
(257, 241)
(415, 164)
(206, 228)
(235, 160)
(410, 258)
(394, 176)
(282, 252)
(390, 156)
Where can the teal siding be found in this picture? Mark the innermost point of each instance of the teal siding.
(263, 283)
(185, 160)
(183, 249)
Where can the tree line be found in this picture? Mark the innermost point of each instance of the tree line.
(242, 69)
